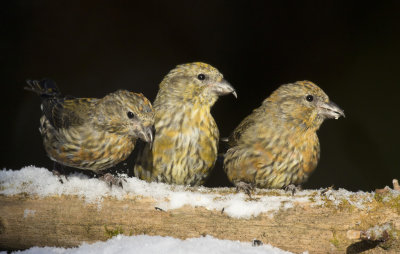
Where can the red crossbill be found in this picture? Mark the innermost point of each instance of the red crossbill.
(277, 144)
(186, 136)
(89, 133)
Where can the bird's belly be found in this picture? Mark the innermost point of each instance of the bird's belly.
(185, 158)
(288, 163)
(97, 151)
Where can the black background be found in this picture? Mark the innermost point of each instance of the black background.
(90, 48)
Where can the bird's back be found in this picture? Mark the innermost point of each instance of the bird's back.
(61, 111)
(69, 135)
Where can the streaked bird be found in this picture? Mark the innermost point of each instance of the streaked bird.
(186, 136)
(277, 144)
(89, 133)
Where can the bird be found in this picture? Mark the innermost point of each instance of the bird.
(277, 146)
(184, 148)
(91, 134)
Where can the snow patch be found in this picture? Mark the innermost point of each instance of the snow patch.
(359, 199)
(157, 244)
(41, 182)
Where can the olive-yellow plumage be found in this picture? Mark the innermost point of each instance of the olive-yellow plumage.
(184, 149)
(89, 133)
(277, 145)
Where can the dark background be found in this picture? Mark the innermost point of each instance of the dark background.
(91, 48)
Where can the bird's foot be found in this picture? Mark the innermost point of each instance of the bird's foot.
(256, 243)
(245, 187)
(58, 170)
(111, 180)
(58, 174)
(292, 188)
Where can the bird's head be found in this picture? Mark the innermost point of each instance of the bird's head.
(195, 82)
(304, 103)
(128, 113)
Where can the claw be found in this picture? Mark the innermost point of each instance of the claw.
(59, 170)
(293, 188)
(245, 187)
(112, 180)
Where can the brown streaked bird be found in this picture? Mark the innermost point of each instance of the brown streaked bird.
(186, 136)
(277, 144)
(89, 133)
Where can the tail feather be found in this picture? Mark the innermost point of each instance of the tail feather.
(45, 88)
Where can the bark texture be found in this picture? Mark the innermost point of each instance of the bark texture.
(67, 221)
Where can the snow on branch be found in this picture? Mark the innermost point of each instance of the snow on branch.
(40, 209)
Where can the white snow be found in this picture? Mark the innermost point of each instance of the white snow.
(41, 182)
(157, 244)
(377, 231)
(357, 199)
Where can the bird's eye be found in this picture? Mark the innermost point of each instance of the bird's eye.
(201, 76)
(309, 98)
(130, 115)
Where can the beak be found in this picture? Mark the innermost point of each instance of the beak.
(330, 110)
(223, 87)
(146, 134)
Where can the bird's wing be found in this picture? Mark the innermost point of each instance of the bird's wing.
(143, 160)
(67, 112)
(237, 133)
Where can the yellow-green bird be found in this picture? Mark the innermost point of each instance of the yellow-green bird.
(277, 145)
(186, 138)
(90, 133)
